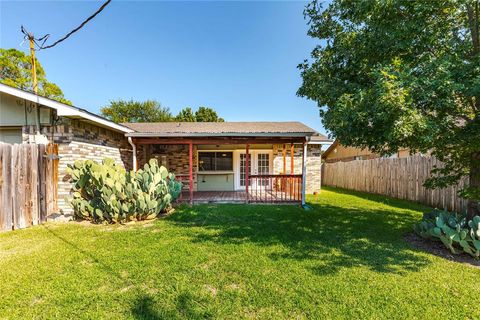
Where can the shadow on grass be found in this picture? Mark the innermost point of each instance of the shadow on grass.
(328, 237)
(186, 307)
(103, 266)
(144, 308)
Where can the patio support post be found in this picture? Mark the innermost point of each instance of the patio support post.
(190, 173)
(247, 169)
(292, 156)
(292, 168)
(304, 172)
(284, 159)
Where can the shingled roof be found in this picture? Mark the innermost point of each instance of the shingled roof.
(186, 129)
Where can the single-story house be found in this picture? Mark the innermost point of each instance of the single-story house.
(226, 162)
(337, 152)
(245, 161)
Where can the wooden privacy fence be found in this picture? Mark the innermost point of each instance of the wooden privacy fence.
(400, 178)
(28, 184)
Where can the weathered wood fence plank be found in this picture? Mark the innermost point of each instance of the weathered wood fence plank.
(401, 178)
(7, 198)
(28, 184)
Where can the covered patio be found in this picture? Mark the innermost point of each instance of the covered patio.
(231, 166)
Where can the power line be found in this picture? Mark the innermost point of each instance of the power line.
(45, 37)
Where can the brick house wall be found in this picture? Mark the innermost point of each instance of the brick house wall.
(78, 140)
(173, 157)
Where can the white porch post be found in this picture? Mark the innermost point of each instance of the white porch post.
(134, 154)
(304, 172)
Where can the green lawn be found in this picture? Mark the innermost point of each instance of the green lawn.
(345, 258)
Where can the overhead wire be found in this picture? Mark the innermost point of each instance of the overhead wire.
(40, 42)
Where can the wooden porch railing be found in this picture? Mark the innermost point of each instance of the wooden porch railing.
(275, 188)
(266, 188)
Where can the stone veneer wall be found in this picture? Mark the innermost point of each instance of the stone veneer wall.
(314, 164)
(79, 140)
(314, 168)
(173, 157)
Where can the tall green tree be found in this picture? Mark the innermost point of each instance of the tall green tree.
(205, 114)
(401, 73)
(121, 111)
(16, 71)
(186, 115)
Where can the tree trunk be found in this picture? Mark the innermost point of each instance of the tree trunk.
(473, 206)
(472, 13)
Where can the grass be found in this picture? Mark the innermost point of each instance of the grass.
(345, 258)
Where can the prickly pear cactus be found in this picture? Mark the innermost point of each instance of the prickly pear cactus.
(452, 230)
(106, 192)
(174, 186)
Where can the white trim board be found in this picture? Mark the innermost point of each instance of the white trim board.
(63, 109)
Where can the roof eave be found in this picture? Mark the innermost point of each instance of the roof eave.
(63, 109)
(227, 134)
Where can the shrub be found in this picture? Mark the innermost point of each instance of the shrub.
(107, 192)
(453, 229)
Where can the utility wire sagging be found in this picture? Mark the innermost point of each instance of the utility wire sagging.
(43, 39)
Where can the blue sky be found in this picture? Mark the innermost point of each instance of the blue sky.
(239, 58)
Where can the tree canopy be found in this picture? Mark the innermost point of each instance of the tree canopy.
(401, 74)
(121, 111)
(205, 114)
(16, 71)
(186, 115)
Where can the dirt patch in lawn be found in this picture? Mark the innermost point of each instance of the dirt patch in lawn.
(438, 249)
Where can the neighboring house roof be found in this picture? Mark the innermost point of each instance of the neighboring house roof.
(225, 129)
(63, 109)
(330, 149)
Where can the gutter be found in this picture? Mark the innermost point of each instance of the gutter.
(223, 134)
(134, 156)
